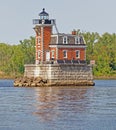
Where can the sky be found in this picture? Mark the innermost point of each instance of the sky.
(87, 15)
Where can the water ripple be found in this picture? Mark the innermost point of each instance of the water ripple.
(64, 108)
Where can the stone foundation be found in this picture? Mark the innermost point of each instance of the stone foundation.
(61, 74)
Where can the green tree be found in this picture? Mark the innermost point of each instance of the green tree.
(13, 57)
(91, 39)
(28, 48)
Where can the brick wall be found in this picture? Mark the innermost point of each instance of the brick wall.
(47, 30)
(47, 38)
(71, 53)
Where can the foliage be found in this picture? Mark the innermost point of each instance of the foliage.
(13, 57)
(102, 49)
(28, 49)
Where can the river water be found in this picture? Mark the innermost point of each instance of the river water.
(63, 108)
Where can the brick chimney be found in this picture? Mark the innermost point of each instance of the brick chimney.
(74, 32)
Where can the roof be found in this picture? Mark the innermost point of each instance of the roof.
(43, 13)
(70, 39)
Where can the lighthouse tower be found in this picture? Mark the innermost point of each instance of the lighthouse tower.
(43, 28)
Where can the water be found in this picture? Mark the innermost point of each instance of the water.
(64, 108)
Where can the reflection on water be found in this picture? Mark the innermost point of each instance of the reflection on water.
(64, 108)
(57, 102)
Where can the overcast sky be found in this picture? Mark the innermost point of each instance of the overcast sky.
(87, 15)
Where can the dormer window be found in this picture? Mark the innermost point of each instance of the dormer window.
(81, 40)
(65, 40)
(77, 40)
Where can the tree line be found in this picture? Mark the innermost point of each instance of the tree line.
(101, 48)
(13, 57)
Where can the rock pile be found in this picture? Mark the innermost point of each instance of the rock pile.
(40, 82)
(29, 82)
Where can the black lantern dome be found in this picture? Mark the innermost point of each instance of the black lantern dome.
(44, 14)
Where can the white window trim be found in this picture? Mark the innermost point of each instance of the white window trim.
(53, 56)
(39, 54)
(39, 40)
(68, 46)
(78, 53)
(78, 40)
(63, 53)
(64, 40)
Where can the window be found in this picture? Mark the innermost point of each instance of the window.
(39, 54)
(39, 40)
(77, 40)
(53, 52)
(81, 40)
(77, 54)
(65, 39)
(65, 54)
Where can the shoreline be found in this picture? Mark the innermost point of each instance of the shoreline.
(104, 77)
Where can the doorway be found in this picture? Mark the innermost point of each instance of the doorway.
(47, 55)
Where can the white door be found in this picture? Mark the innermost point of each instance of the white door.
(47, 56)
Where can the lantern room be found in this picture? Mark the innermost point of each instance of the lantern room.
(43, 14)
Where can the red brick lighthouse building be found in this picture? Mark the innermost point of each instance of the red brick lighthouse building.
(57, 46)
(60, 58)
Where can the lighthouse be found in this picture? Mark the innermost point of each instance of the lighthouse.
(60, 58)
(60, 46)
(43, 29)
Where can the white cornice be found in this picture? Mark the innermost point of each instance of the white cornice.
(68, 46)
(43, 25)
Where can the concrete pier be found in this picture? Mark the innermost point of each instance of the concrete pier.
(61, 74)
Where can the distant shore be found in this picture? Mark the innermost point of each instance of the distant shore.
(104, 77)
(9, 76)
